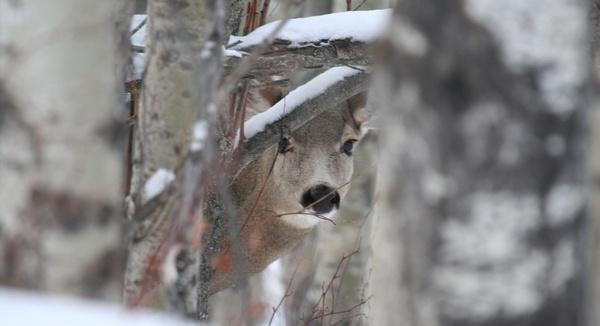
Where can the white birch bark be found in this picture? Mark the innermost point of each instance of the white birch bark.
(183, 69)
(60, 166)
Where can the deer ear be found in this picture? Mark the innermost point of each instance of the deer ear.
(271, 94)
(357, 108)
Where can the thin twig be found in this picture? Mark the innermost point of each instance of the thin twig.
(138, 27)
(287, 294)
(359, 5)
(260, 193)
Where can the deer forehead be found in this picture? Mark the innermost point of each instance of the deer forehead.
(329, 128)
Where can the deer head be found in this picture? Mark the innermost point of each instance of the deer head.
(284, 194)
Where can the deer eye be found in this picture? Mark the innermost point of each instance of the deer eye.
(348, 147)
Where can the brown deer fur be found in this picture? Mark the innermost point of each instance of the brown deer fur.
(315, 158)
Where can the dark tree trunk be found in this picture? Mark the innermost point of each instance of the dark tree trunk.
(482, 198)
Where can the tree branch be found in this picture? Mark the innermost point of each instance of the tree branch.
(331, 96)
(280, 59)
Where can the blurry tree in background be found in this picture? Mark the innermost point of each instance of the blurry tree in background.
(483, 165)
(61, 145)
(482, 150)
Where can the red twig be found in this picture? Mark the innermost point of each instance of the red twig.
(260, 194)
(333, 313)
(334, 277)
(264, 12)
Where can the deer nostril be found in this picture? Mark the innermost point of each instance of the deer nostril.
(322, 199)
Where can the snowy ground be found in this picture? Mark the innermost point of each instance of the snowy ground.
(29, 308)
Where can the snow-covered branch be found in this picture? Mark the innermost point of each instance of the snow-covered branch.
(309, 43)
(297, 108)
(301, 44)
(281, 59)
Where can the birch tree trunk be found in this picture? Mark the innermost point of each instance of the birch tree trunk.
(61, 69)
(482, 216)
(175, 134)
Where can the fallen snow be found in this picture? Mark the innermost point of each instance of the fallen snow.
(158, 182)
(29, 308)
(296, 97)
(362, 26)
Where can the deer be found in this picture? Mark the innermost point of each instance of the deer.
(283, 195)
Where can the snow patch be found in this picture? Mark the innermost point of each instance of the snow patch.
(200, 134)
(296, 97)
(207, 49)
(139, 37)
(233, 53)
(158, 182)
(530, 38)
(359, 26)
(272, 278)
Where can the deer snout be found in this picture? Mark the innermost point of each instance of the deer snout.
(321, 198)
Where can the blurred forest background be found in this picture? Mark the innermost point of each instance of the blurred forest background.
(474, 198)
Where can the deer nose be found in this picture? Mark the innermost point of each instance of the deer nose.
(321, 198)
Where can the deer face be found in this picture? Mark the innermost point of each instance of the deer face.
(311, 175)
(284, 194)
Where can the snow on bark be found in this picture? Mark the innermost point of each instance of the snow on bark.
(200, 135)
(157, 182)
(298, 96)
